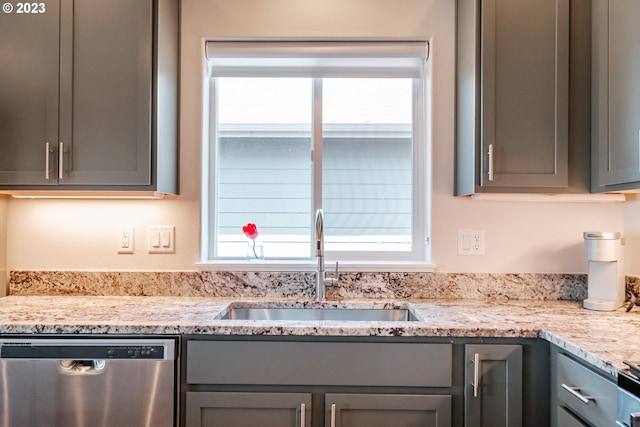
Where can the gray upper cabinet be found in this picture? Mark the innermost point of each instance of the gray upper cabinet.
(88, 100)
(513, 96)
(616, 95)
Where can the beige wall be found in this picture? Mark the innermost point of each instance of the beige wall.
(632, 234)
(520, 237)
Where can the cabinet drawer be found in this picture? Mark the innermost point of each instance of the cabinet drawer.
(319, 363)
(600, 409)
(567, 419)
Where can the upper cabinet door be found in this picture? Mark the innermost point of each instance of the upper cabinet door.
(524, 93)
(616, 95)
(106, 92)
(29, 74)
(513, 96)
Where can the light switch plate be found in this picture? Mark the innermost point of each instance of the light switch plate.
(161, 239)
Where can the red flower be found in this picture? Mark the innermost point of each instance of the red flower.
(250, 230)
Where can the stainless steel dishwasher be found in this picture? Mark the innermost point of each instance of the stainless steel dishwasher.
(67, 382)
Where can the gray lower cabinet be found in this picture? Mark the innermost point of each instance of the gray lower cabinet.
(580, 396)
(82, 104)
(616, 95)
(493, 385)
(513, 95)
(315, 383)
(230, 381)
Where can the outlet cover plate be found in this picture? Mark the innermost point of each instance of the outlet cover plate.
(124, 239)
(470, 242)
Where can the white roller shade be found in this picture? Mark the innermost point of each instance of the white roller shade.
(316, 59)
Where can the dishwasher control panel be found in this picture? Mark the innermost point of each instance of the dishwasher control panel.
(86, 349)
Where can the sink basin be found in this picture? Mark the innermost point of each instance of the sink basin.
(316, 313)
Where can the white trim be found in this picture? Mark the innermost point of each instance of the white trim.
(565, 198)
(311, 266)
(420, 254)
(329, 130)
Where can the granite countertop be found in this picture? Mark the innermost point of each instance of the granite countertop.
(603, 339)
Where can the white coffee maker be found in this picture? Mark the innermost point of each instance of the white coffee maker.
(603, 251)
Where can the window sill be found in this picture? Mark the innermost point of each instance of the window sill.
(311, 265)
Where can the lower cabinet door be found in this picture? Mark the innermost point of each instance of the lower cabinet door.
(387, 410)
(493, 385)
(230, 409)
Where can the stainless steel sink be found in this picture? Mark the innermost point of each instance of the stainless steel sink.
(316, 313)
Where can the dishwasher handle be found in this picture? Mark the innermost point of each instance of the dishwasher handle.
(82, 367)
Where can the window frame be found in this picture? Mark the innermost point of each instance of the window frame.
(420, 259)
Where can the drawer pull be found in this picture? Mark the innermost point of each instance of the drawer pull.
(303, 414)
(575, 391)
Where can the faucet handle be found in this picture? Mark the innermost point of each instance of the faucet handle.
(334, 280)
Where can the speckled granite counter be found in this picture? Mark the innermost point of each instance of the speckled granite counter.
(604, 339)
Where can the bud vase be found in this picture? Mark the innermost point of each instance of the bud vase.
(255, 251)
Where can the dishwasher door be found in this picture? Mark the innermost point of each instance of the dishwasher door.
(87, 382)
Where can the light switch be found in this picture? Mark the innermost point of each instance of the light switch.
(165, 238)
(466, 242)
(154, 235)
(161, 239)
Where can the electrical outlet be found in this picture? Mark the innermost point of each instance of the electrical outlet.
(125, 239)
(470, 242)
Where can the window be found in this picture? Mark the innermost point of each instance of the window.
(295, 127)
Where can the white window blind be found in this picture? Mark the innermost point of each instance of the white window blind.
(316, 59)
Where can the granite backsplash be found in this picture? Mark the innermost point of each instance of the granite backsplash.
(301, 285)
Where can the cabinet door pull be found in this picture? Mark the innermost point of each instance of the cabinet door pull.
(490, 162)
(575, 391)
(476, 374)
(61, 161)
(333, 415)
(47, 160)
(303, 414)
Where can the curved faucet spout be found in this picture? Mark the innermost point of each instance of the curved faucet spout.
(321, 279)
(319, 233)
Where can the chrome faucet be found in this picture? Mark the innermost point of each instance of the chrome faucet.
(321, 279)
